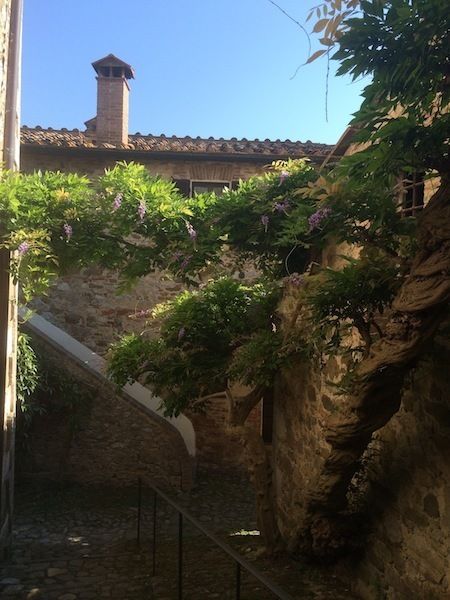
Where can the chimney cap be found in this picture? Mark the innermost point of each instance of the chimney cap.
(113, 61)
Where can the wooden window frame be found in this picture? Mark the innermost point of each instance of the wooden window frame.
(413, 194)
(207, 182)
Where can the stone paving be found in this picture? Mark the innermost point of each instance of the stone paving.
(225, 506)
(77, 543)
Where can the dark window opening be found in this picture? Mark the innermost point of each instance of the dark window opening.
(104, 71)
(413, 194)
(117, 71)
(184, 186)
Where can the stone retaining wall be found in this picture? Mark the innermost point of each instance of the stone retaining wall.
(87, 305)
(217, 448)
(114, 440)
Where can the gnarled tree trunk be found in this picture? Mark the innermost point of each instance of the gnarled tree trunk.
(418, 309)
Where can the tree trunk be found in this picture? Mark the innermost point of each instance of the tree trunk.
(259, 464)
(419, 308)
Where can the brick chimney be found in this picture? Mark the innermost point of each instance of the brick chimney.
(111, 123)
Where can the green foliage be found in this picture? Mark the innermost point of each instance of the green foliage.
(352, 296)
(34, 209)
(157, 215)
(127, 357)
(364, 212)
(27, 373)
(266, 221)
(404, 46)
(361, 288)
(257, 361)
(43, 387)
(127, 220)
(134, 222)
(206, 337)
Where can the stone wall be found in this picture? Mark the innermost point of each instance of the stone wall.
(303, 402)
(299, 448)
(88, 307)
(111, 441)
(94, 163)
(217, 448)
(408, 471)
(404, 482)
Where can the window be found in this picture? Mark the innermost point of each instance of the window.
(188, 187)
(200, 187)
(413, 194)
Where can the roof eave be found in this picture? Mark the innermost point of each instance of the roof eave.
(341, 146)
(178, 155)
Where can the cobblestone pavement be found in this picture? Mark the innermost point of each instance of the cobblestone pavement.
(73, 543)
(225, 506)
(76, 543)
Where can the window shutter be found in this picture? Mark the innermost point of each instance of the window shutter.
(184, 186)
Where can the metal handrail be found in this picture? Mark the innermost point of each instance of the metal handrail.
(240, 562)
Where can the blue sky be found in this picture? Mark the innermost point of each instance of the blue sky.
(217, 68)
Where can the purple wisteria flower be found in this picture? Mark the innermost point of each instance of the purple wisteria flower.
(23, 248)
(296, 279)
(316, 218)
(265, 222)
(117, 202)
(191, 231)
(181, 333)
(141, 210)
(283, 176)
(282, 207)
(68, 231)
(185, 262)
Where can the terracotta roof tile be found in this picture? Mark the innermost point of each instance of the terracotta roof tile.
(37, 136)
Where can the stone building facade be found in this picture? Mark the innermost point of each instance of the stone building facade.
(87, 304)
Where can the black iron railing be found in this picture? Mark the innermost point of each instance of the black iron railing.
(183, 515)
